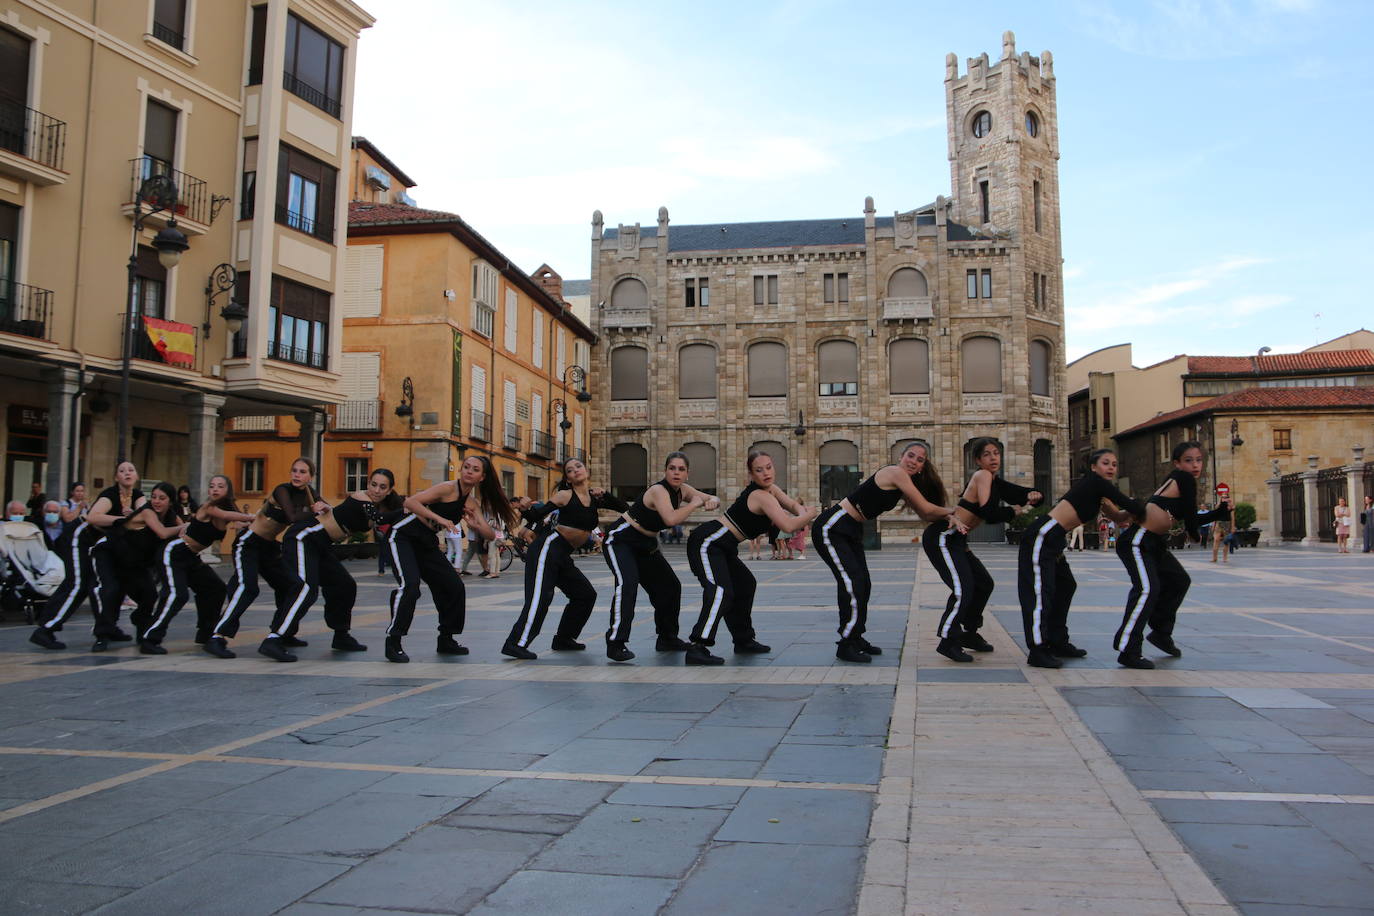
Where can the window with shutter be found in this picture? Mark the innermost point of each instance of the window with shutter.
(701, 460)
(512, 319)
(908, 366)
(537, 411)
(361, 296)
(839, 367)
(538, 356)
(767, 370)
(696, 371)
(629, 374)
(982, 365)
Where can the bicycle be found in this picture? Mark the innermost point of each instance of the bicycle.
(508, 551)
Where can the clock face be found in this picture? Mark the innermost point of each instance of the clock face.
(982, 124)
(1032, 124)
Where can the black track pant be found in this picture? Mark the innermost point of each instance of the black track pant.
(635, 560)
(727, 584)
(415, 558)
(1045, 584)
(119, 575)
(79, 582)
(307, 556)
(183, 573)
(970, 586)
(840, 541)
(549, 564)
(253, 555)
(1158, 586)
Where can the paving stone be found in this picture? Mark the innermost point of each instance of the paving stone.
(633, 840)
(1125, 744)
(714, 769)
(700, 698)
(644, 727)
(540, 796)
(60, 774)
(1132, 719)
(816, 763)
(1321, 722)
(231, 884)
(296, 791)
(435, 785)
(1318, 773)
(357, 825)
(667, 795)
(970, 675)
(1205, 811)
(708, 742)
(26, 895)
(572, 894)
(766, 878)
(1273, 698)
(551, 824)
(808, 817)
(1352, 826)
(595, 755)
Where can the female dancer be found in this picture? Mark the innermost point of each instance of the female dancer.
(153, 527)
(968, 580)
(257, 552)
(713, 553)
(117, 573)
(632, 553)
(1044, 582)
(75, 549)
(549, 563)
(307, 556)
(184, 573)
(416, 556)
(838, 536)
(1158, 582)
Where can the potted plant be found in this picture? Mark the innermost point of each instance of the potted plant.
(1244, 519)
(1021, 521)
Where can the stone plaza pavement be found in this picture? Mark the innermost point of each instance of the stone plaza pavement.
(1237, 778)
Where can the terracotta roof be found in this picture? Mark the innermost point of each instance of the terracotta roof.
(1278, 363)
(1260, 399)
(362, 213)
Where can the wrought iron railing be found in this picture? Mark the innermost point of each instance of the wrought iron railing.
(169, 36)
(313, 358)
(1332, 484)
(360, 415)
(32, 134)
(193, 202)
(302, 223)
(541, 444)
(25, 310)
(1292, 508)
(309, 93)
(512, 440)
(481, 426)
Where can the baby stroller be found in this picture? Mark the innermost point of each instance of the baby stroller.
(29, 571)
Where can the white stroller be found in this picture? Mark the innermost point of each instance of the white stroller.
(29, 571)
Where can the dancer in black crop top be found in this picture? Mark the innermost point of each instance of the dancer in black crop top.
(1158, 581)
(713, 553)
(416, 556)
(632, 552)
(948, 551)
(838, 536)
(117, 572)
(1045, 584)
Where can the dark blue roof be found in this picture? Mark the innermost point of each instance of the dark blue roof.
(794, 233)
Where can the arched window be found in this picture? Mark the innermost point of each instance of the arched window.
(1040, 368)
(629, 374)
(778, 452)
(701, 466)
(839, 367)
(1044, 469)
(901, 445)
(839, 460)
(696, 371)
(908, 366)
(629, 471)
(767, 369)
(629, 293)
(982, 365)
(907, 283)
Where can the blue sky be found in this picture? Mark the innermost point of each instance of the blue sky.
(1214, 167)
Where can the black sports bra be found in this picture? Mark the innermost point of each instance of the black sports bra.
(872, 500)
(649, 519)
(750, 524)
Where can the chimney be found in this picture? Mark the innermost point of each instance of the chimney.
(549, 280)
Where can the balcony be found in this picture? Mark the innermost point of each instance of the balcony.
(565, 453)
(169, 36)
(302, 223)
(171, 349)
(513, 437)
(192, 209)
(25, 310)
(306, 92)
(32, 145)
(541, 444)
(356, 416)
(908, 308)
(1042, 406)
(315, 359)
(626, 319)
(481, 426)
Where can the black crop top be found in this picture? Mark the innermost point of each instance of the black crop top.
(1184, 506)
(451, 511)
(576, 514)
(1088, 491)
(649, 519)
(750, 524)
(1002, 491)
(289, 505)
(872, 500)
(203, 533)
(142, 544)
(116, 507)
(354, 515)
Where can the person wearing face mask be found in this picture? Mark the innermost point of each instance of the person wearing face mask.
(52, 526)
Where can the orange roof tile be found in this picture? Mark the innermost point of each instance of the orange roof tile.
(1277, 363)
(1258, 399)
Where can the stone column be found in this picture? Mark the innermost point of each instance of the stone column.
(63, 416)
(1275, 512)
(202, 420)
(1309, 492)
(312, 426)
(1354, 496)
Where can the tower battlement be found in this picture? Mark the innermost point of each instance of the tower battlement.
(977, 69)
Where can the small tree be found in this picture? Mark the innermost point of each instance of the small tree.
(1244, 516)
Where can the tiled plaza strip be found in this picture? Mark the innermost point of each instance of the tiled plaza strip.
(786, 783)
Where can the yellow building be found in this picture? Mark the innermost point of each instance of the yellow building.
(449, 350)
(231, 121)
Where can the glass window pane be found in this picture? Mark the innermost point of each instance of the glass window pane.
(772, 289)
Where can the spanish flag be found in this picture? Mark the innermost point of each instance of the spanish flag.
(174, 341)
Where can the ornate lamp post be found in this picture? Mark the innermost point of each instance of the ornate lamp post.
(222, 280)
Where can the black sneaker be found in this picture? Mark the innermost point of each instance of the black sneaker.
(975, 641)
(671, 644)
(949, 647)
(1068, 650)
(867, 646)
(567, 644)
(150, 648)
(515, 651)
(292, 642)
(218, 647)
(752, 647)
(698, 654)
(618, 651)
(447, 645)
(1042, 657)
(849, 652)
(101, 644)
(394, 652)
(1134, 661)
(42, 636)
(345, 641)
(272, 647)
(119, 636)
(1164, 644)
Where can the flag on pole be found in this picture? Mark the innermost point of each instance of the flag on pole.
(175, 342)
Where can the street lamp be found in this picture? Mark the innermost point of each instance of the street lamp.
(561, 407)
(160, 193)
(578, 377)
(1236, 440)
(407, 406)
(223, 279)
(800, 431)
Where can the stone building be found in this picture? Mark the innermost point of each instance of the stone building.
(832, 342)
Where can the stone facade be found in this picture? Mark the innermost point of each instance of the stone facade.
(984, 262)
